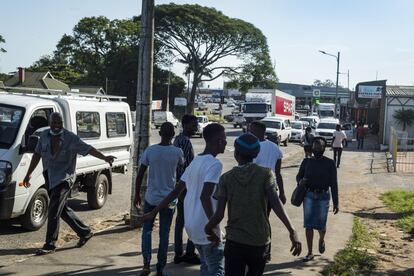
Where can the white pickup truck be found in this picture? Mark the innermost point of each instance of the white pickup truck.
(278, 129)
(202, 123)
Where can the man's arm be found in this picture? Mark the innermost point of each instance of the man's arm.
(279, 181)
(95, 153)
(33, 164)
(179, 188)
(216, 219)
(138, 183)
(208, 190)
(280, 212)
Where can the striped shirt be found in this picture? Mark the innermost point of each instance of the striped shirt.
(183, 142)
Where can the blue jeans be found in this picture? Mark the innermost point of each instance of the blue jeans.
(178, 234)
(212, 259)
(360, 143)
(166, 216)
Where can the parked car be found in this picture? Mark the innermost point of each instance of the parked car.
(349, 132)
(202, 106)
(231, 104)
(278, 129)
(103, 122)
(229, 118)
(312, 120)
(216, 111)
(161, 117)
(298, 130)
(202, 123)
(238, 120)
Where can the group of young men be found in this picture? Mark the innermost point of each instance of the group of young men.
(249, 191)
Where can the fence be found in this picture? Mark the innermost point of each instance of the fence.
(402, 151)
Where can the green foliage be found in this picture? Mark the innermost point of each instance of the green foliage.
(354, 258)
(401, 202)
(2, 40)
(404, 117)
(326, 83)
(201, 36)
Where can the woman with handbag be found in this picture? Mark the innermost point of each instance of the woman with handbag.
(318, 175)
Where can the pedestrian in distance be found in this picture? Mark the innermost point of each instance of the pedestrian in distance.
(270, 156)
(318, 175)
(339, 137)
(360, 135)
(190, 125)
(247, 189)
(200, 179)
(58, 148)
(162, 160)
(307, 140)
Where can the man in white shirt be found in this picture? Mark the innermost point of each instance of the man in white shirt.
(337, 144)
(200, 179)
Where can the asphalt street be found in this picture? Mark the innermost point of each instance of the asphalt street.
(15, 242)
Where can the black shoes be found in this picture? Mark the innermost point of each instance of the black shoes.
(45, 250)
(83, 240)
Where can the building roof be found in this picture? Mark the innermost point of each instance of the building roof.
(43, 80)
(302, 90)
(88, 89)
(400, 91)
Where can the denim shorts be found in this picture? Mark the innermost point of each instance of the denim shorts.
(315, 210)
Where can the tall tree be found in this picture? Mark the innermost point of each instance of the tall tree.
(404, 117)
(2, 40)
(203, 36)
(326, 83)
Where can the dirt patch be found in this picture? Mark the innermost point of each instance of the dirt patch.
(393, 248)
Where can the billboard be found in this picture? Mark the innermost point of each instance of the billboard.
(156, 105)
(370, 92)
(284, 106)
(178, 101)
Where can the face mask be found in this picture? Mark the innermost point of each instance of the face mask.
(56, 133)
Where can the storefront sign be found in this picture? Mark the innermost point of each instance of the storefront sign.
(180, 101)
(370, 92)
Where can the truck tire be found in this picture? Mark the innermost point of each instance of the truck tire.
(98, 194)
(286, 141)
(36, 212)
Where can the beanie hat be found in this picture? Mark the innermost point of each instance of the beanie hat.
(247, 145)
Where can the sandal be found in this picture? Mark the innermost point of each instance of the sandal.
(322, 247)
(308, 258)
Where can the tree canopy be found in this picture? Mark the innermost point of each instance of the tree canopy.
(202, 36)
(326, 83)
(404, 117)
(2, 40)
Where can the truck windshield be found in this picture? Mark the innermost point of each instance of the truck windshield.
(327, 125)
(255, 108)
(10, 120)
(297, 125)
(272, 124)
(326, 113)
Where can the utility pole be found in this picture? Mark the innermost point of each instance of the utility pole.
(144, 99)
(337, 105)
(168, 89)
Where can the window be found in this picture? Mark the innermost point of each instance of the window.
(272, 124)
(115, 124)
(10, 120)
(87, 124)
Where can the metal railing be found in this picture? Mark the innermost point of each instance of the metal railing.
(402, 151)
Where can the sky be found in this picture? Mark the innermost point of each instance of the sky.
(374, 37)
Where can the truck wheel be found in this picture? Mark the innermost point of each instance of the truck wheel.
(286, 142)
(36, 212)
(98, 194)
(235, 126)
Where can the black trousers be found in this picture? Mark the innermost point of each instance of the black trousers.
(237, 256)
(337, 156)
(58, 208)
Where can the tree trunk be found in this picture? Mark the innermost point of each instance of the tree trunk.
(190, 105)
(144, 99)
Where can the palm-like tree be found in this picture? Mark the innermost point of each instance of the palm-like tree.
(404, 117)
(2, 40)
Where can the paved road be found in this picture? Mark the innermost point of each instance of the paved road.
(13, 238)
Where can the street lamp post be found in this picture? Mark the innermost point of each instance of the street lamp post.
(337, 77)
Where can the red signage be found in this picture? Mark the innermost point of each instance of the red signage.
(283, 106)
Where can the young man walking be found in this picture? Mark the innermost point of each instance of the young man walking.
(162, 160)
(58, 148)
(200, 179)
(190, 124)
(247, 189)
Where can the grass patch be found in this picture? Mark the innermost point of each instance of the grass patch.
(401, 202)
(354, 258)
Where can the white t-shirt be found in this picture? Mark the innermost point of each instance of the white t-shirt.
(268, 155)
(338, 137)
(204, 168)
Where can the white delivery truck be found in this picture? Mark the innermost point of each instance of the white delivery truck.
(101, 121)
(261, 103)
(326, 110)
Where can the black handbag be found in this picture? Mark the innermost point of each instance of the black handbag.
(298, 195)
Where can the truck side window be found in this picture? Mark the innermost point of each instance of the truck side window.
(87, 124)
(115, 124)
(39, 119)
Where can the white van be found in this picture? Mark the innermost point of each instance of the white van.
(101, 121)
(278, 129)
(326, 128)
(161, 117)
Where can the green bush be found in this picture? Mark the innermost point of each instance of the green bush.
(401, 202)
